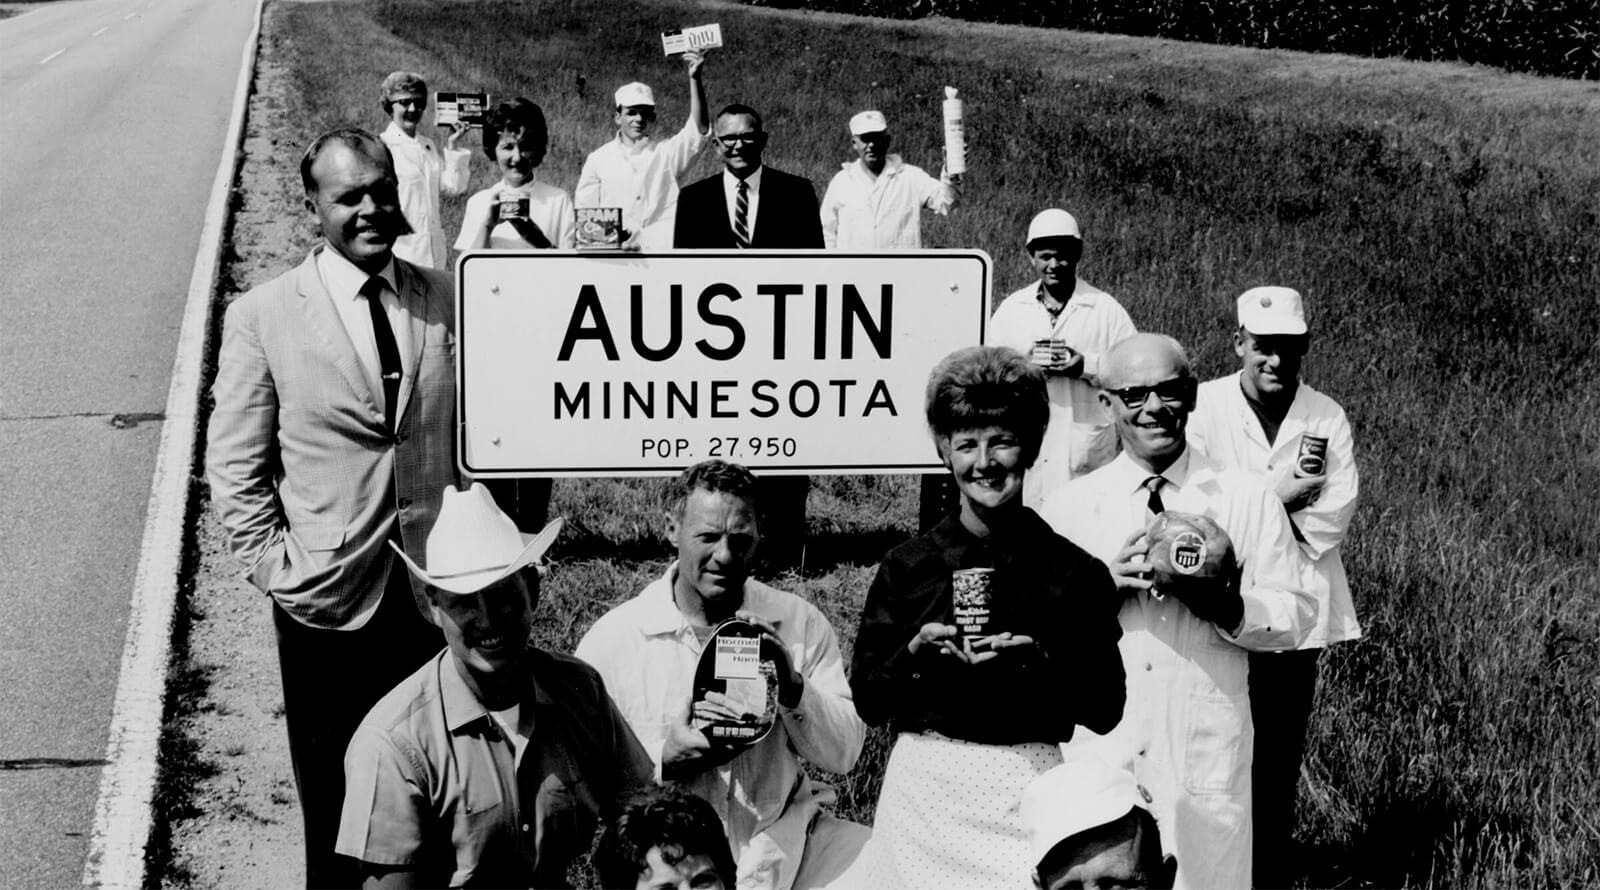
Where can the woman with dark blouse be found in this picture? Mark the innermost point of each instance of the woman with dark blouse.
(976, 720)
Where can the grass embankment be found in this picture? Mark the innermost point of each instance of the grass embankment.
(1442, 223)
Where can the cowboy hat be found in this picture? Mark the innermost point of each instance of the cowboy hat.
(473, 544)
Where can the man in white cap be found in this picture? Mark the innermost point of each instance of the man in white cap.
(1089, 825)
(1186, 728)
(494, 763)
(875, 202)
(639, 174)
(1267, 421)
(1065, 325)
(778, 817)
(424, 171)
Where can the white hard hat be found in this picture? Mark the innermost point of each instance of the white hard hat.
(1083, 793)
(1052, 223)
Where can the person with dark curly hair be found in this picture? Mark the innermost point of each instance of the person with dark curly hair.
(984, 643)
(518, 212)
(665, 837)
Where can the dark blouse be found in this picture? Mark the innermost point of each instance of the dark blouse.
(1044, 586)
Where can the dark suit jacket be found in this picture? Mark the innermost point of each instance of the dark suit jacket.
(305, 476)
(787, 215)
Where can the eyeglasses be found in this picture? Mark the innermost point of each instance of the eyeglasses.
(1177, 391)
(733, 139)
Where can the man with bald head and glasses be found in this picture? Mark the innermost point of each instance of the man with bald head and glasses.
(1187, 727)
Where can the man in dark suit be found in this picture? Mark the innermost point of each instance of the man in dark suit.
(779, 209)
(750, 205)
(331, 436)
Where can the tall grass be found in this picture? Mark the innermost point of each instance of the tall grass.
(1444, 233)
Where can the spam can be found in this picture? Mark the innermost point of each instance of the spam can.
(1313, 457)
(513, 206)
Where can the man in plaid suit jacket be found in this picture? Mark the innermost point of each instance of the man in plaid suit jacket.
(332, 434)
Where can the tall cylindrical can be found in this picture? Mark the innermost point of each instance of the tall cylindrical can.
(955, 132)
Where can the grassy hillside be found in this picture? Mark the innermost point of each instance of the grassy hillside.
(1442, 222)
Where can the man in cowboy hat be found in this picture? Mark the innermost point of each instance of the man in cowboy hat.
(494, 763)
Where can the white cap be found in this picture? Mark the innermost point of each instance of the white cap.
(1083, 793)
(868, 122)
(636, 93)
(473, 544)
(1272, 310)
(1052, 223)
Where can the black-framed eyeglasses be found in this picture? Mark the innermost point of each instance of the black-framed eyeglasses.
(733, 139)
(1177, 391)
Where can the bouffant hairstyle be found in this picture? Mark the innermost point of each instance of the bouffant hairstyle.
(398, 83)
(669, 820)
(713, 476)
(982, 386)
(519, 116)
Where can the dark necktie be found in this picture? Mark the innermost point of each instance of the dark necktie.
(1153, 485)
(388, 352)
(741, 216)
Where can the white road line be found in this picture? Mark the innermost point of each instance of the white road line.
(51, 56)
(123, 815)
(130, 15)
(101, 31)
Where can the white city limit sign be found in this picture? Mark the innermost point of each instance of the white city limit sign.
(630, 364)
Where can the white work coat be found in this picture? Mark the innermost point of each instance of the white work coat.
(1186, 727)
(642, 179)
(1079, 437)
(424, 173)
(884, 212)
(1224, 427)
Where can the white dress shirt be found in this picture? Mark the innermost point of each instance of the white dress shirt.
(343, 282)
(1228, 431)
(549, 208)
(1079, 437)
(424, 173)
(642, 179)
(1186, 727)
(647, 652)
(884, 212)
(730, 192)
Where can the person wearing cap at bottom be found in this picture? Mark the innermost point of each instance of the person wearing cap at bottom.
(1258, 420)
(1064, 325)
(1089, 825)
(778, 818)
(493, 764)
(1187, 729)
(425, 173)
(640, 174)
(875, 202)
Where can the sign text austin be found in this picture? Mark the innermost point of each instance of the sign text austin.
(627, 364)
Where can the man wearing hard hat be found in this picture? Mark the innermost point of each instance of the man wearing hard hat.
(875, 202)
(1064, 324)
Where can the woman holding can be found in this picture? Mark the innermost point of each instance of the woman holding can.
(983, 644)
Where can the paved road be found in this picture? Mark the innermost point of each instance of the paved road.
(112, 117)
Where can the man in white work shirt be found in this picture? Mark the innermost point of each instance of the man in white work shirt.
(1065, 325)
(780, 828)
(640, 174)
(1187, 727)
(875, 202)
(1261, 420)
(425, 172)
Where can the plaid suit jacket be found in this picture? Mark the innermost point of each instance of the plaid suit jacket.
(305, 476)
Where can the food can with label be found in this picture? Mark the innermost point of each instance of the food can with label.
(513, 206)
(1313, 457)
(974, 591)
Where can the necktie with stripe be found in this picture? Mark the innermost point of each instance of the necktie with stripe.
(741, 216)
